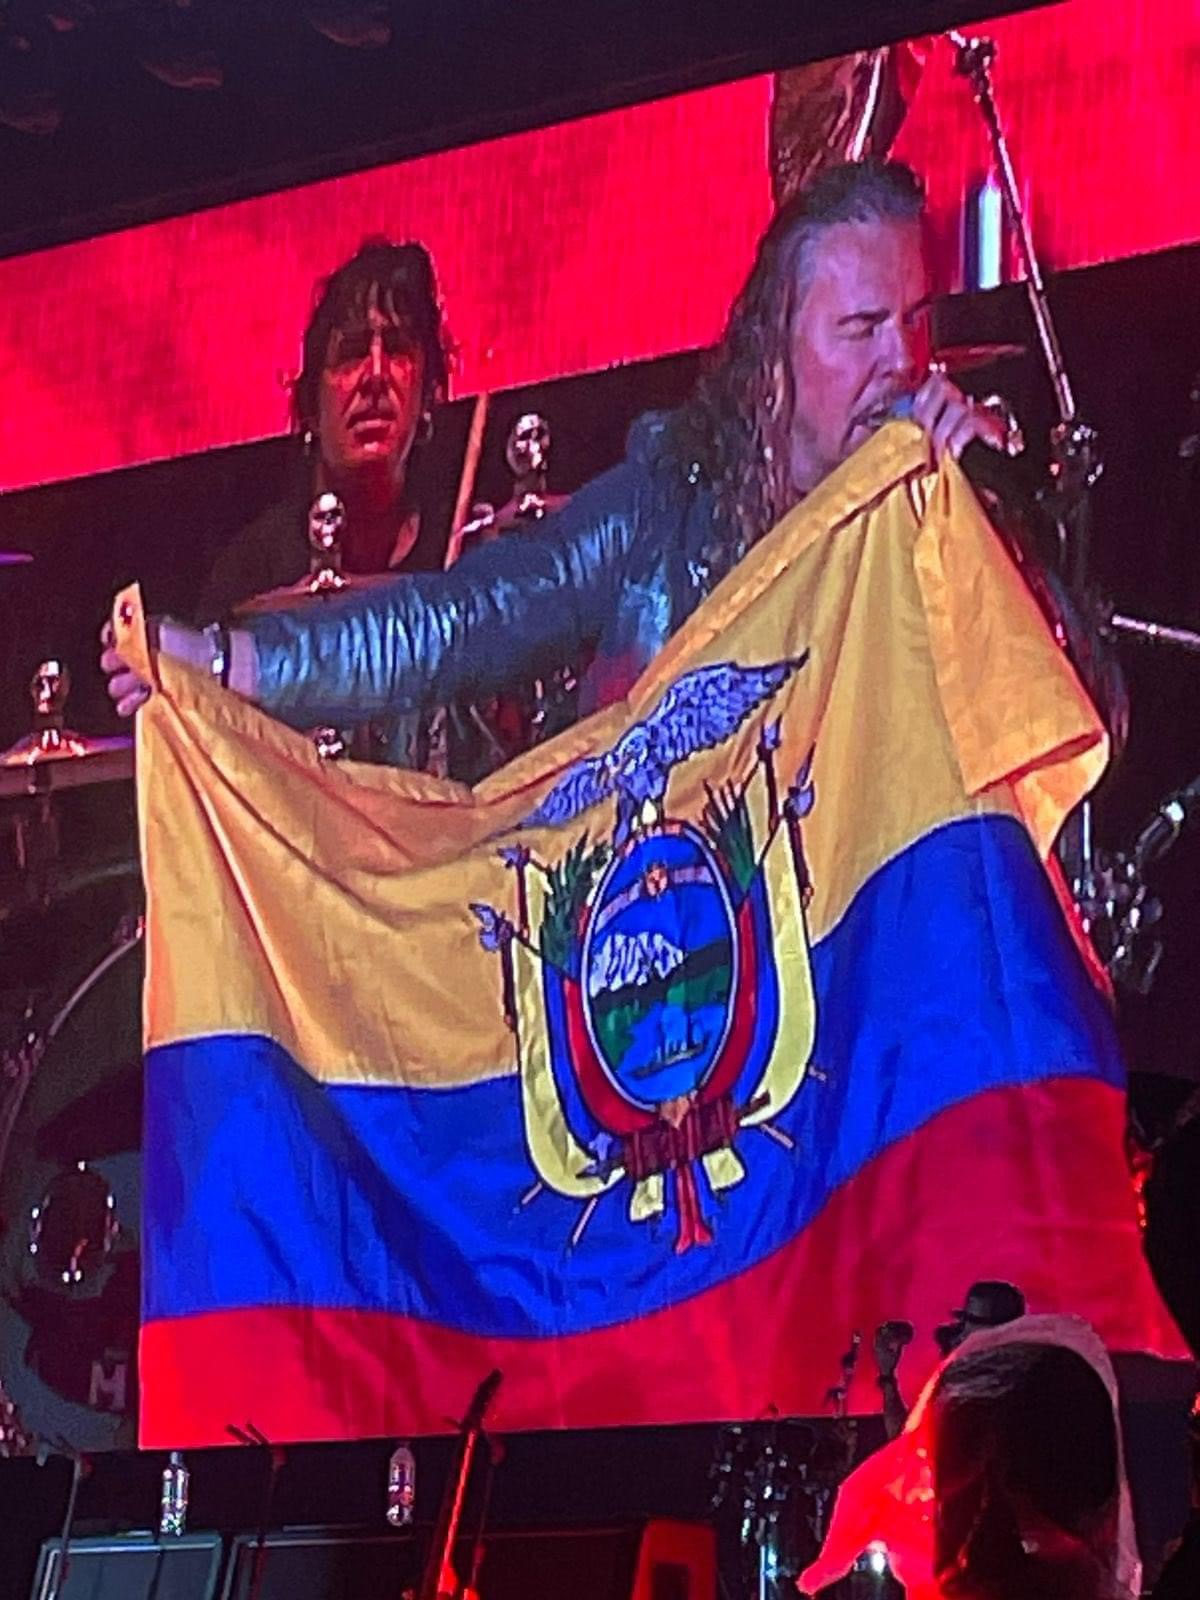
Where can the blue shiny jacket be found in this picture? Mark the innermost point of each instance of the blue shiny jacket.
(612, 575)
(616, 572)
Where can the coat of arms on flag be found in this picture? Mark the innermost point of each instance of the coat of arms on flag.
(666, 1001)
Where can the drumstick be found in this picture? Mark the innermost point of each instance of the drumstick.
(466, 482)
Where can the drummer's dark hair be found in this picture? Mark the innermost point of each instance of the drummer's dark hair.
(404, 278)
(736, 427)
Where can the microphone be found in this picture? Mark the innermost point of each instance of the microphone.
(1009, 478)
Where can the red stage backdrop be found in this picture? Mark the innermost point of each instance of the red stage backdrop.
(610, 239)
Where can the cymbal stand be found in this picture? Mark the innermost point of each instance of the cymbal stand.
(1180, 533)
(1123, 913)
(1108, 888)
(1186, 639)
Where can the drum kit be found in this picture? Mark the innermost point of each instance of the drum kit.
(772, 1487)
(70, 1087)
(71, 965)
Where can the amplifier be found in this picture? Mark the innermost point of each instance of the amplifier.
(656, 1560)
(133, 1566)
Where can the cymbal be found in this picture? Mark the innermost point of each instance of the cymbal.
(47, 761)
(15, 558)
(303, 593)
(955, 358)
(490, 522)
(515, 514)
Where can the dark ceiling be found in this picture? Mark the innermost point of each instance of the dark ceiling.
(119, 111)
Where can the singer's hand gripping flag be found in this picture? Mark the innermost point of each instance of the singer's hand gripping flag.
(743, 1015)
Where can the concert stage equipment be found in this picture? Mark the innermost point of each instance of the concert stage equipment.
(657, 1560)
(653, 1560)
(130, 1567)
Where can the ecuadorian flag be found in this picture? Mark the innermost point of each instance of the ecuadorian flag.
(741, 1016)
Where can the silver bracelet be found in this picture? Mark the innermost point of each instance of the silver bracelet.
(217, 635)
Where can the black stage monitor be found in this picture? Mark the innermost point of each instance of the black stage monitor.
(655, 1560)
(131, 1566)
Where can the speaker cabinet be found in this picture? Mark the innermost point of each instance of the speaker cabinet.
(657, 1560)
(133, 1566)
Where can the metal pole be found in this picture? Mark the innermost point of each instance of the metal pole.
(1075, 457)
(973, 60)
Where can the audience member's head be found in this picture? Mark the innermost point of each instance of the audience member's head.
(1007, 1482)
(1026, 1473)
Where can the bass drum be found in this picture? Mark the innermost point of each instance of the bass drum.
(70, 1164)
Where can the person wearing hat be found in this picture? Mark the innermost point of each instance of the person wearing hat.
(988, 1304)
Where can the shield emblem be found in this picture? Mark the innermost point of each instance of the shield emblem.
(660, 960)
(659, 983)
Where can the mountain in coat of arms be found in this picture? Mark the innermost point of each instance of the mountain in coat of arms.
(658, 979)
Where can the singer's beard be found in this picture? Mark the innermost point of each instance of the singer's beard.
(808, 463)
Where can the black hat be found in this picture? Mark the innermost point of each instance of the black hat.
(990, 1304)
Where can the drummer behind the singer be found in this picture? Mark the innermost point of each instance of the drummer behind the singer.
(373, 375)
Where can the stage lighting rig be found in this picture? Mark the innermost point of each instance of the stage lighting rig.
(64, 16)
(358, 24)
(29, 98)
(175, 46)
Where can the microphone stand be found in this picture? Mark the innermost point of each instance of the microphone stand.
(1075, 462)
(1075, 468)
(80, 1467)
(844, 1426)
(440, 1581)
(250, 1435)
(838, 1397)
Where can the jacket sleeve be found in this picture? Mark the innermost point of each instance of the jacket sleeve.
(509, 611)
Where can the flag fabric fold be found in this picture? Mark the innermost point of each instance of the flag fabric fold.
(739, 1016)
